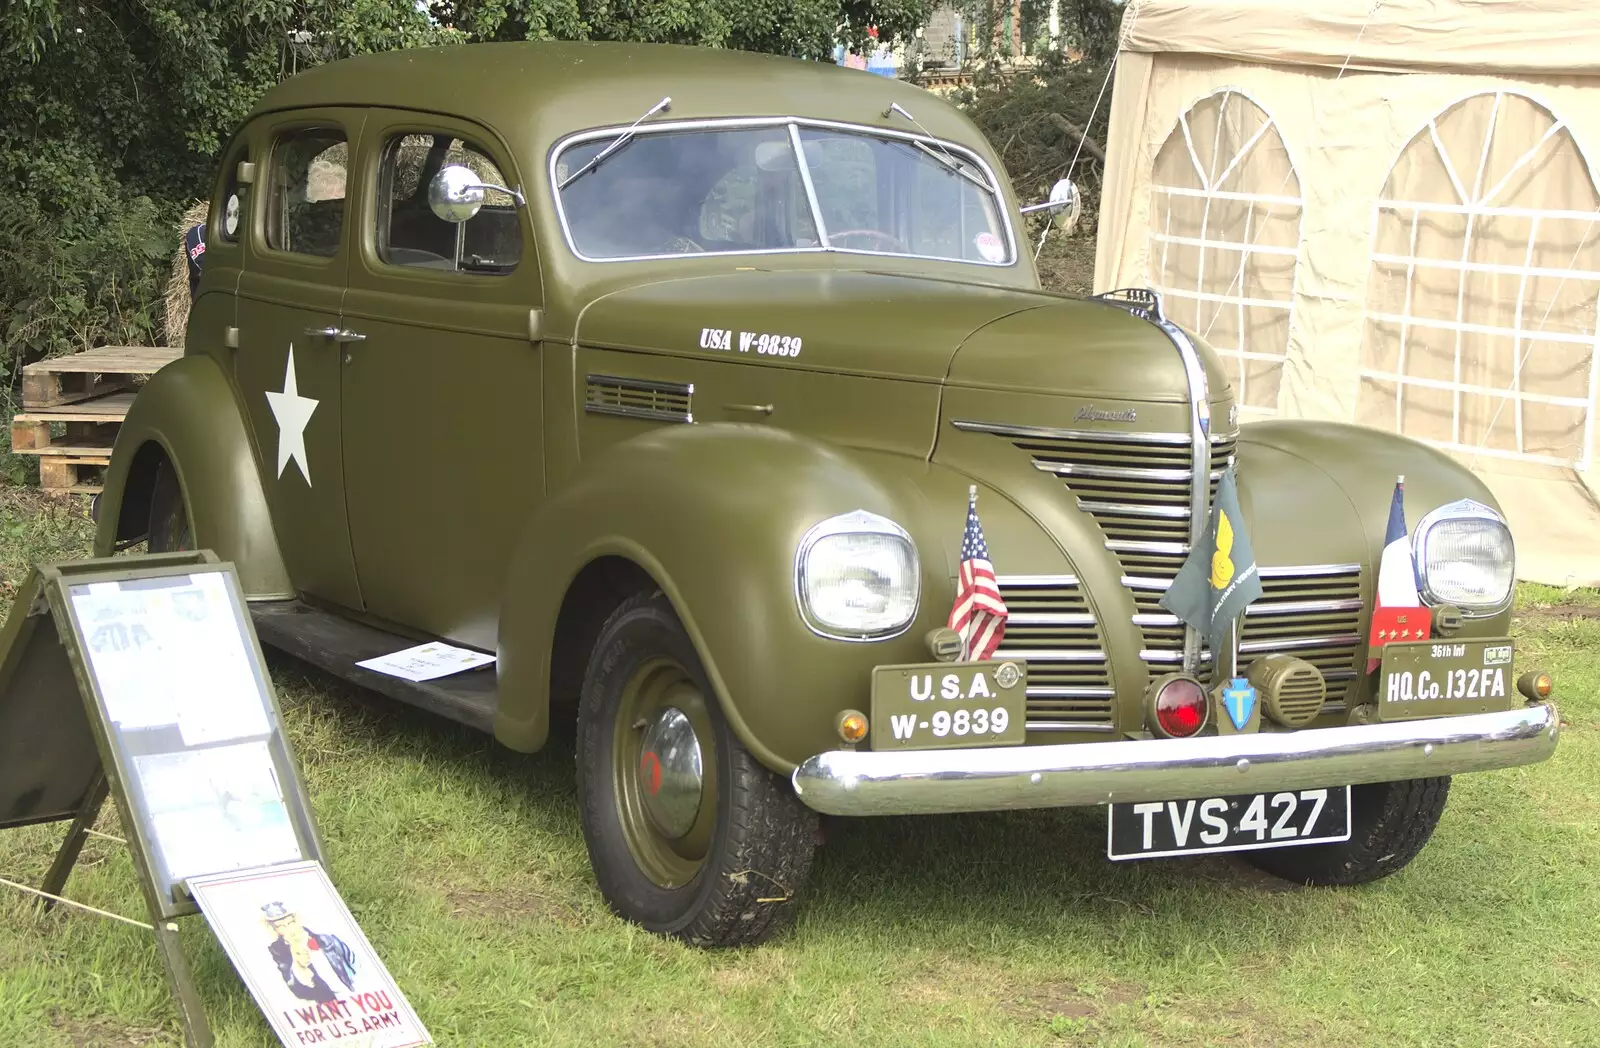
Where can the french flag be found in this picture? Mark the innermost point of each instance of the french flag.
(1398, 613)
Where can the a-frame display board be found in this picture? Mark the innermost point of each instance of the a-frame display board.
(148, 686)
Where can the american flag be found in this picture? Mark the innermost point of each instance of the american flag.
(980, 613)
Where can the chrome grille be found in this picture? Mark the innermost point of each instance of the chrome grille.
(1052, 629)
(1136, 486)
(1312, 612)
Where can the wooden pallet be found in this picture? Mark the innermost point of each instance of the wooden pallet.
(90, 374)
(73, 406)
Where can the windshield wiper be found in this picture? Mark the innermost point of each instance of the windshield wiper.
(955, 165)
(616, 143)
(938, 151)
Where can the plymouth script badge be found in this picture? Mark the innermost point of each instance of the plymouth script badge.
(1090, 413)
(948, 705)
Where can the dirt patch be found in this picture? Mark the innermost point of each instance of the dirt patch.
(99, 1033)
(1543, 615)
(1069, 1000)
(514, 904)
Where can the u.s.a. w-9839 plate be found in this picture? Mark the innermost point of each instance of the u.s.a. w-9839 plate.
(941, 705)
(1440, 678)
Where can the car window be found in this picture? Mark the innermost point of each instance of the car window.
(410, 234)
(897, 196)
(651, 193)
(686, 192)
(306, 214)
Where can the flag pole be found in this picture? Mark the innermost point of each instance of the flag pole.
(972, 494)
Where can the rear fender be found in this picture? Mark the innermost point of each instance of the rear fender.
(188, 415)
(712, 515)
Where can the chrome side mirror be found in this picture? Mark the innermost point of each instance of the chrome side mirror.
(456, 193)
(1064, 204)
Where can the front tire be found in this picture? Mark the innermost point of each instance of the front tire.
(688, 834)
(1389, 824)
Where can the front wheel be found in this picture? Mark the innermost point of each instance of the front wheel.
(688, 834)
(1389, 824)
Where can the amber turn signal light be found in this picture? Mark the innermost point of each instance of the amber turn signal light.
(1535, 686)
(852, 726)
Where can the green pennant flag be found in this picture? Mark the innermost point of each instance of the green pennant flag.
(1220, 578)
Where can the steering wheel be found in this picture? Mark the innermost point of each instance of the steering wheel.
(682, 245)
(894, 242)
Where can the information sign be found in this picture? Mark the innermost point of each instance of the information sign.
(140, 678)
(307, 963)
(192, 723)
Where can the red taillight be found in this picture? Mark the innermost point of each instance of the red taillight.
(1180, 707)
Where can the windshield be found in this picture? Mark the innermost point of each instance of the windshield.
(744, 190)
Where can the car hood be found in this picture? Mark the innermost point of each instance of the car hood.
(856, 323)
(885, 325)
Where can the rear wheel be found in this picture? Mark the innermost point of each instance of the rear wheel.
(688, 834)
(169, 520)
(1389, 824)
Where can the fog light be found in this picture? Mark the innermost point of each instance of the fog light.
(1535, 686)
(852, 726)
(1177, 706)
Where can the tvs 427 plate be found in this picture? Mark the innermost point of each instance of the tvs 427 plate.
(1243, 822)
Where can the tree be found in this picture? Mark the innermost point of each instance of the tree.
(115, 111)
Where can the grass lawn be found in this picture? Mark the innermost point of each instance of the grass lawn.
(466, 867)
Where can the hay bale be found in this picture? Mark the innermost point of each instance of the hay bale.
(177, 296)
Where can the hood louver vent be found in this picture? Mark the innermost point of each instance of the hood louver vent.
(639, 398)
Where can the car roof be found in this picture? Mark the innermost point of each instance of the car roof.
(560, 87)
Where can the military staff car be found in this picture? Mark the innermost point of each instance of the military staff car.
(669, 378)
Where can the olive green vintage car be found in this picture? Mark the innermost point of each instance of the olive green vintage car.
(667, 377)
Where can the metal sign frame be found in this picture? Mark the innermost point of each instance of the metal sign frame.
(80, 755)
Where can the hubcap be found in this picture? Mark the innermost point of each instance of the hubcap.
(664, 772)
(670, 774)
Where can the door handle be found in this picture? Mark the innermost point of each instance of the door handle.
(337, 334)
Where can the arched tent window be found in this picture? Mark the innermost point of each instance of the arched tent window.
(1481, 302)
(1225, 238)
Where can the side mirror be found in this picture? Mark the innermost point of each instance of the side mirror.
(1064, 204)
(455, 194)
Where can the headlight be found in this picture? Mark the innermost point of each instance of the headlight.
(1465, 557)
(856, 577)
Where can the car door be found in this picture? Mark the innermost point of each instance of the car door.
(441, 397)
(287, 363)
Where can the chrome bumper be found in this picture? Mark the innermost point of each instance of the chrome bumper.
(913, 782)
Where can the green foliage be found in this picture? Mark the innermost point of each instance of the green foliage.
(1034, 119)
(116, 110)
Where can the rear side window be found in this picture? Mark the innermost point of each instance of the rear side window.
(306, 213)
(410, 234)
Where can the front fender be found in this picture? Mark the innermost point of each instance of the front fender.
(714, 514)
(1319, 492)
(188, 414)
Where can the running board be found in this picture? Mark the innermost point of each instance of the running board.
(335, 644)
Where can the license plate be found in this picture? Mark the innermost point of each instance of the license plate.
(942, 705)
(1244, 822)
(1445, 677)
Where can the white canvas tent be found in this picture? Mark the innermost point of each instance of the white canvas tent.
(1382, 211)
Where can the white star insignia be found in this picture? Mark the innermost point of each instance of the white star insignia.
(292, 412)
